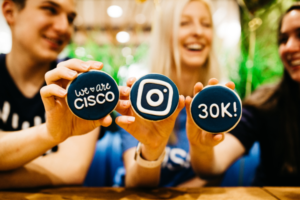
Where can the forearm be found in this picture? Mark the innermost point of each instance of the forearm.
(28, 176)
(205, 161)
(214, 161)
(68, 166)
(35, 174)
(139, 176)
(20, 147)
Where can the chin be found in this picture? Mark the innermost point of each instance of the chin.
(195, 63)
(48, 55)
(296, 78)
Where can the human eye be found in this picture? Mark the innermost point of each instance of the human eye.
(206, 24)
(184, 23)
(298, 35)
(50, 9)
(282, 39)
(71, 19)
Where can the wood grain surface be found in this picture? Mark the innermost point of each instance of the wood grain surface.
(76, 193)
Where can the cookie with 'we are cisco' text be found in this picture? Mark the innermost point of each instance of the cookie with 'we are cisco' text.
(216, 109)
(154, 97)
(92, 95)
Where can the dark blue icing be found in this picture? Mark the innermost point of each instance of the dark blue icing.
(92, 83)
(216, 95)
(163, 106)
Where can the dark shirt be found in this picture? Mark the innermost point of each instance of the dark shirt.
(265, 128)
(18, 112)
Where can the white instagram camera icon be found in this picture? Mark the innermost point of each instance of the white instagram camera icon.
(153, 112)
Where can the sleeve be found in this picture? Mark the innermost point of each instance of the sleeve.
(128, 141)
(247, 128)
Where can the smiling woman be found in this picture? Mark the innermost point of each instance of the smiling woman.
(181, 49)
(186, 28)
(271, 117)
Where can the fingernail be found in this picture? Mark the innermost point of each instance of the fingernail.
(97, 65)
(130, 119)
(131, 79)
(85, 66)
(63, 92)
(72, 73)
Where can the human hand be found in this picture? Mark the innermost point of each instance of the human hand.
(61, 123)
(198, 137)
(153, 135)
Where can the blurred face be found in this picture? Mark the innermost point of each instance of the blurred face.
(195, 34)
(289, 48)
(44, 27)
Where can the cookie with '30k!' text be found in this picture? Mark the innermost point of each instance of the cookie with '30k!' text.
(216, 109)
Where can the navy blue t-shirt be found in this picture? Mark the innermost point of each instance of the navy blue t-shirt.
(176, 167)
(18, 112)
(265, 128)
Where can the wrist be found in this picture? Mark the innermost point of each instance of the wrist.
(150, 153)
(148, 163)
(200, 148)
(46, 136)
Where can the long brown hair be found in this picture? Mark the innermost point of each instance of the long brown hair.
(284, 101)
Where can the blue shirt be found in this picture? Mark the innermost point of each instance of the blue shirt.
(176, 167)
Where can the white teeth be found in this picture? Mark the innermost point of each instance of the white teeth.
(195, 47)
(295, 62)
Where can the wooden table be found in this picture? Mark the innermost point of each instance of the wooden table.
(215, 193)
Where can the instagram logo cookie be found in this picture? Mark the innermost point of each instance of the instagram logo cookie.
(154, 97)
(216, 109)
(92, 95)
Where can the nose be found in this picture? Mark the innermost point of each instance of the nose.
(293, 45)
(198, 29)
(62, 24)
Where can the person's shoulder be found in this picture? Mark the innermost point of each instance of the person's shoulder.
(263, 91)
(262, 98)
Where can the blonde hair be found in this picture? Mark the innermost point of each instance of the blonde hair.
(164, 52)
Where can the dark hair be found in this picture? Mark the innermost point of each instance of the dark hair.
(282, 99)
(295, 6)
(20, 3)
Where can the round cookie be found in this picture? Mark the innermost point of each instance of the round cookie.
(154, 97)
(92, 95)
(216, 109)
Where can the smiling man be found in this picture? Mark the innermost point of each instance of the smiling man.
(40, 30)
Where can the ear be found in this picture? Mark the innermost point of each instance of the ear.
(9, 10)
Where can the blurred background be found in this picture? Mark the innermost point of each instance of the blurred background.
(117, 33)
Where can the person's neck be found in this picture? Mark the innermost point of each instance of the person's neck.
(26, 71)
(188, 78)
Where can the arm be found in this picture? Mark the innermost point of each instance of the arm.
(137, 175)
(68, 166)
(215, 160)
(19, 148)
(211, 154)
(154, 137)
